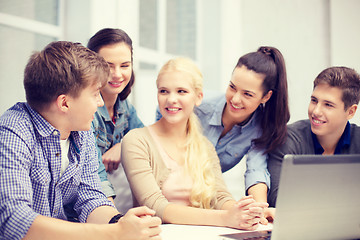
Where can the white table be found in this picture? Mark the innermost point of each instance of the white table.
(192, 232)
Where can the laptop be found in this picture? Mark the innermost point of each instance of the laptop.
(318, 198)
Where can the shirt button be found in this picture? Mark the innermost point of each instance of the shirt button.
(55, 133)
(57, 154)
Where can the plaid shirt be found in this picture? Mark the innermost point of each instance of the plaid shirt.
(30, 182)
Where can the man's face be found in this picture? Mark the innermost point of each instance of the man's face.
(83, 108)
(326, 112)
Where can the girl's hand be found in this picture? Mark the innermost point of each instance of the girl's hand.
(269, 216)
(112, 157)
(246, 214)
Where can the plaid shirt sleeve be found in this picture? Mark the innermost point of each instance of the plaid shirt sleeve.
(16, 214)
(90, 195)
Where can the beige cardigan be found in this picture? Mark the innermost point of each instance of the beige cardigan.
(146, 171)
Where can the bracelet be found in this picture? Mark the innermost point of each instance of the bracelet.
(116, 218)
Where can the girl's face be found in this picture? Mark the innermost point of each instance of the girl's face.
(118, 56)
(244, 94)
(176, 96)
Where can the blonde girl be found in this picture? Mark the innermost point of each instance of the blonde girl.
(173, 169)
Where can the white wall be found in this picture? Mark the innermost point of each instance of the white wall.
(231, 31)
(345, 36)
(312, 35)
(345, 33)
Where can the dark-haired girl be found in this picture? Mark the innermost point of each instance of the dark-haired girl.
(251, 118)
(113, 120)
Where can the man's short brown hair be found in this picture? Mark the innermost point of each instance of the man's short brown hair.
(62, 68)
(346, 79)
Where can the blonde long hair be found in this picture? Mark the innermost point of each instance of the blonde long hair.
(198, 162)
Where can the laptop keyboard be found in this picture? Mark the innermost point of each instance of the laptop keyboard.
(258, 235)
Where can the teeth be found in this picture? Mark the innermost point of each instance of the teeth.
(173, 109)
(317, 121)
(236, 107)
(114, 83)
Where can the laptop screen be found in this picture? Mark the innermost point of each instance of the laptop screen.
(318, 198)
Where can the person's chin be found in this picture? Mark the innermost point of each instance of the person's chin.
(87, 127)
(317, 130)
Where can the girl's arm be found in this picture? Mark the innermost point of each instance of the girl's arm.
(259, 192)
(244, 214)
(142, 163)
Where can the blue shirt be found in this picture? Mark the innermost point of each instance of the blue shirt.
(343, 142)
(232, 147)
(30, 181)
(108, 133)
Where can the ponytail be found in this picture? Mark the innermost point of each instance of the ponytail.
(275, 114)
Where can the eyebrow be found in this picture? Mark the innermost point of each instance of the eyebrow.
(248, 91)
(332, 103)
(326, 101)
(127, 62)
(161, 87)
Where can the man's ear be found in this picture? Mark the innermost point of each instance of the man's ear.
(351, 111)
(62, 103)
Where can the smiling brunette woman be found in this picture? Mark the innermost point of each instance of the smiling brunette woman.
(113, 120)
(250, 119)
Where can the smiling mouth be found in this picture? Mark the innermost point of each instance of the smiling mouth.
(172, 109)
(235, 107)
(317, 122)
(116, 84)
